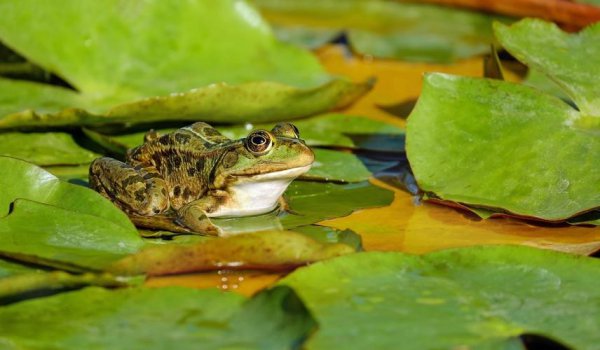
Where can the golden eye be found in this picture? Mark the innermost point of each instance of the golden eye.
(286, 130)
(259, 142)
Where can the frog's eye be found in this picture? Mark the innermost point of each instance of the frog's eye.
(259, 142)
(286, 130)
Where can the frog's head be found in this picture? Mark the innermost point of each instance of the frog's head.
(265, 156)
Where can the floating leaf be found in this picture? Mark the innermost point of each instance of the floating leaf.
(49, 235)
(93, 51)
(571, 60)
(502, 145)
(417, 32)
(10, 268)
(311, 202)
(57, 223)
(50, 148)
(249, 102)
(27, 181)
(16, 288)
(143, 318)
(270, 250)
(480, 297)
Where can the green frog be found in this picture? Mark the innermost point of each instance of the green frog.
(195, 173)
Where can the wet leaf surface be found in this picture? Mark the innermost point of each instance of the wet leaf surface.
(571, 60)
(510, 147)
(311, 202)
(473, 297)
(48, 148)
(93, 318)
(386, 29)
(224, 103)
(269, 250)
(22, 180)
(164, 74)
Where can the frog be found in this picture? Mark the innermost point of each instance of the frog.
(188, 176)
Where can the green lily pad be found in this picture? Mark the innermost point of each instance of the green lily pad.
(417, 32)
(481, 297)
(312, 202)
(571, 60)
(59, 224)
(155, 318)
(66, 239)
(249, 102)
(337, 130)
(22, 286)
(11, 268)
(494, 144)
(165, 70)
(26, 181)
(271, 250)
(50, 148)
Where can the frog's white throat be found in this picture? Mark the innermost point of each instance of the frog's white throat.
(258, 194)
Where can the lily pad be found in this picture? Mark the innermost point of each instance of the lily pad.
(27, 285)
(225, 103)
(496, 144)
(66, 239)
(417, 32)
(143, 318)
(270, 250)
(50, 148)
(59, 224)
(571, 60)
(165, 69)
(26, 181)
(312, 202)
(481, 297)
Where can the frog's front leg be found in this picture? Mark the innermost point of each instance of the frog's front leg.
(136, 189)
(194, 215)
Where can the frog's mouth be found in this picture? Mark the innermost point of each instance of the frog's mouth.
(288, 174)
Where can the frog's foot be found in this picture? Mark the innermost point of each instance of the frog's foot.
(197, 221)
(194, 216)
(138, 190)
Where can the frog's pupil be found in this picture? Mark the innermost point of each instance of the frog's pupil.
(258, 140)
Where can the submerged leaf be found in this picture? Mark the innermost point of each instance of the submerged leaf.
(270, 250)
(480, 297)
(143, 318)
(237, 72)
(501, 145)
(388, 29)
